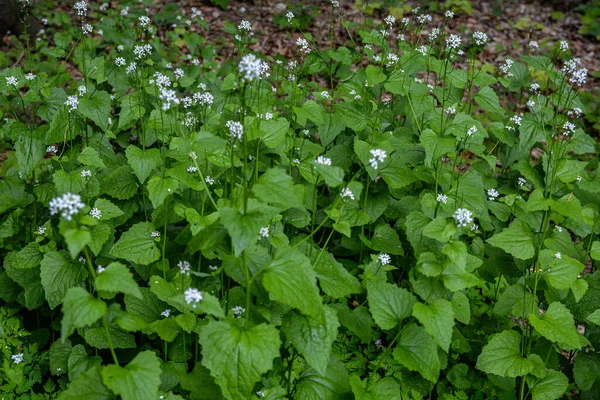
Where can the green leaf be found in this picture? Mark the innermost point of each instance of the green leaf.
(201, 385)
(137, 245)
(312, 338)
(515, 240)
(557, 325)
(334, 385)
(143, 162)
(461, 307)
(551, 386)
(109, 210)
(595, 250)
(388, 303)
(417, 351)
(120, 183)
(489, 101)
(502, 356)
(586, 370)
(560, 273)
(273, 132)
(80, 309)
(355, 118)
(77, 239)
(137, 380)
(290, 280)
(97, 108)
(386, 240)
(438, 320)
(387, 388)
(160, 188)
(89, 156)
(332, 175)
(276, 187)
(440, 229)
(59, 356)
(79, 362)
(357, 321)
(131, 110)
(58, 274)
(334, 279)
(237, 357)
(243, 228)
(117, 278)
(531, 131)
(29, 150)
(594, 317)
(87, 386)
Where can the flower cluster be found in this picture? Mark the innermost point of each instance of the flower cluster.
(481, 38)
(184, 267)
(323, 160)
(193, 296)
(236, 130)
(238, 311)
(463, 217)
(250, 67)
(378, 156)
(67, 205)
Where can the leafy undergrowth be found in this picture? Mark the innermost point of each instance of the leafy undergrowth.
(367, 221)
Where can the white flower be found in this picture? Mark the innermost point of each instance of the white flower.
(209, 180)
(521, 182)
(472, 130)
(238, 311)
(558, 228)
(17, 358)
(579, 178)
(451, 110)
(563, 45)
(166, 313)
(12, 81)
(125, 11)
(481, 38)
(463, 217)
(558, 255)
(193, 155)
(100, 269)
(492, 194)
(81, 8)
(390, 20)
(384, 259)
(260, 393)
(304, 46)
(334, 4)
(204, 99)
(323, 160)
(264, 232)
(30, 76)
(67, 205)
(81, 259)
(435, 32)
(41, 230)
(192, 169)
(120, 61)
(347, 193)
(579, 77)
(245, 26)
(141, 51)
(569, 128)
(51, 149)
(87, 29)
(104, 6)
(530, 103)
(213, 267)
(178, 73)
(423, 50)
(423, 18)
(184, 267)
(155, 234)
(131, 68)
(144, 21)
(96, 213)
(379, 156)
(82, 90)
(533, 45)
(325, 94)
(474, 227)
(120, 48)
(236, 130)
(449, 14)
(193, 296)
(506, 66)
(289, 16)
(534, 87)
(442, 198)
(72, 102)
(453, 41)
(250, 67)
(575, 113)
(86, 173)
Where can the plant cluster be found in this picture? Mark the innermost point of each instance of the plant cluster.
(382, 219)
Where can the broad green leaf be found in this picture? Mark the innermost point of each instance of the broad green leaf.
(387, 388)
(557, 325)
(77, 239)
(273, 133)
(80, 309)
(355, 118)
(137, 380)
(438, 320)
(560, 273)
(131, 110)
(87, 386)
(276, 187)
(502, 356)
(96, 107)
(29, 150)
(117, 278)
(120, 183)
(137, 245)
(551, 386)
(143, 162)
(435, 146)
(290, 280)
(594, 317)
(386, 240)
(243, 228)
(531, 131)
(332, 175)
(417, 351)
(595, 250)
(108, 209)
(201, 385)
(357, 321)
(59, 273)
(586, 370)
(334, 385)
(173, 295)
(515, 240)
(89, 156)
(388, 303)
(148, 308)
(334, 279)
(461, 307)
(59, 356)
(79, 362)
(489, 101)
(312, 338)
(440, 229)
(237, 356)
(160, 188)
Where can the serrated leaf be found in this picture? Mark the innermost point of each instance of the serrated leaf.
(80, 309)
(438, 320)
(417, 351)
(334, 385)
(312, 338)
(237, 356)
(515, 240)
(143, 162)
(79, 362)
(59, 273)
(87, 386)
(96, 107)
(131, 110)
(276, 187)
(120, 183)
(502, 356)
(557, 325)
(560, 273)
(117, 278)
(108, 209)
(137, 380)
(137, 245)
(334, 279)
(586, 370)
(89, 156)
(160, 188)
(551, 386)
(243, 228)
(388, 303)
(489, 101)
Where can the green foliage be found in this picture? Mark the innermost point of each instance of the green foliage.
(374, 220)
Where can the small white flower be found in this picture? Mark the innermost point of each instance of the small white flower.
(463, 217)
(193, 155)
(17, 358)
(72, 102)
(335, 4)
(492, 194)
(453, 41)
(67, 205)
(347, 193)
(236, 130)
(558, 255)
(96, 213)
(120, 48)
(120, 61)
(289, 16)
(435, 32)
(82, 90)
(213, 267)
(81, 259)
(166, 313)
(450, 110)
(155, 234)
(304, 45)
(86, 173)
(191, 169)
(184, 267)
(325, 94)
(87, 29)
(209, 180)
(238, 311)
(144, 21)
(379, 156)
(264, 232)
(521, 181)
(100, 269)
(390, 20)
(193, 296)
(533, 45)
(449, 14)
(442, 198)
(51, 149)
(245, 26)
(579, 178)
(530, 103)
(323, 160)
(81, 8)
(534, 87)
(481, 38)
(30, 76)
(508, 63)
(423, 50)
(472, 130)
(474, 227)
(384, 259)
(558, 228)
(178, 73)
(569, 128)
(41, 230)
(563, 45)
